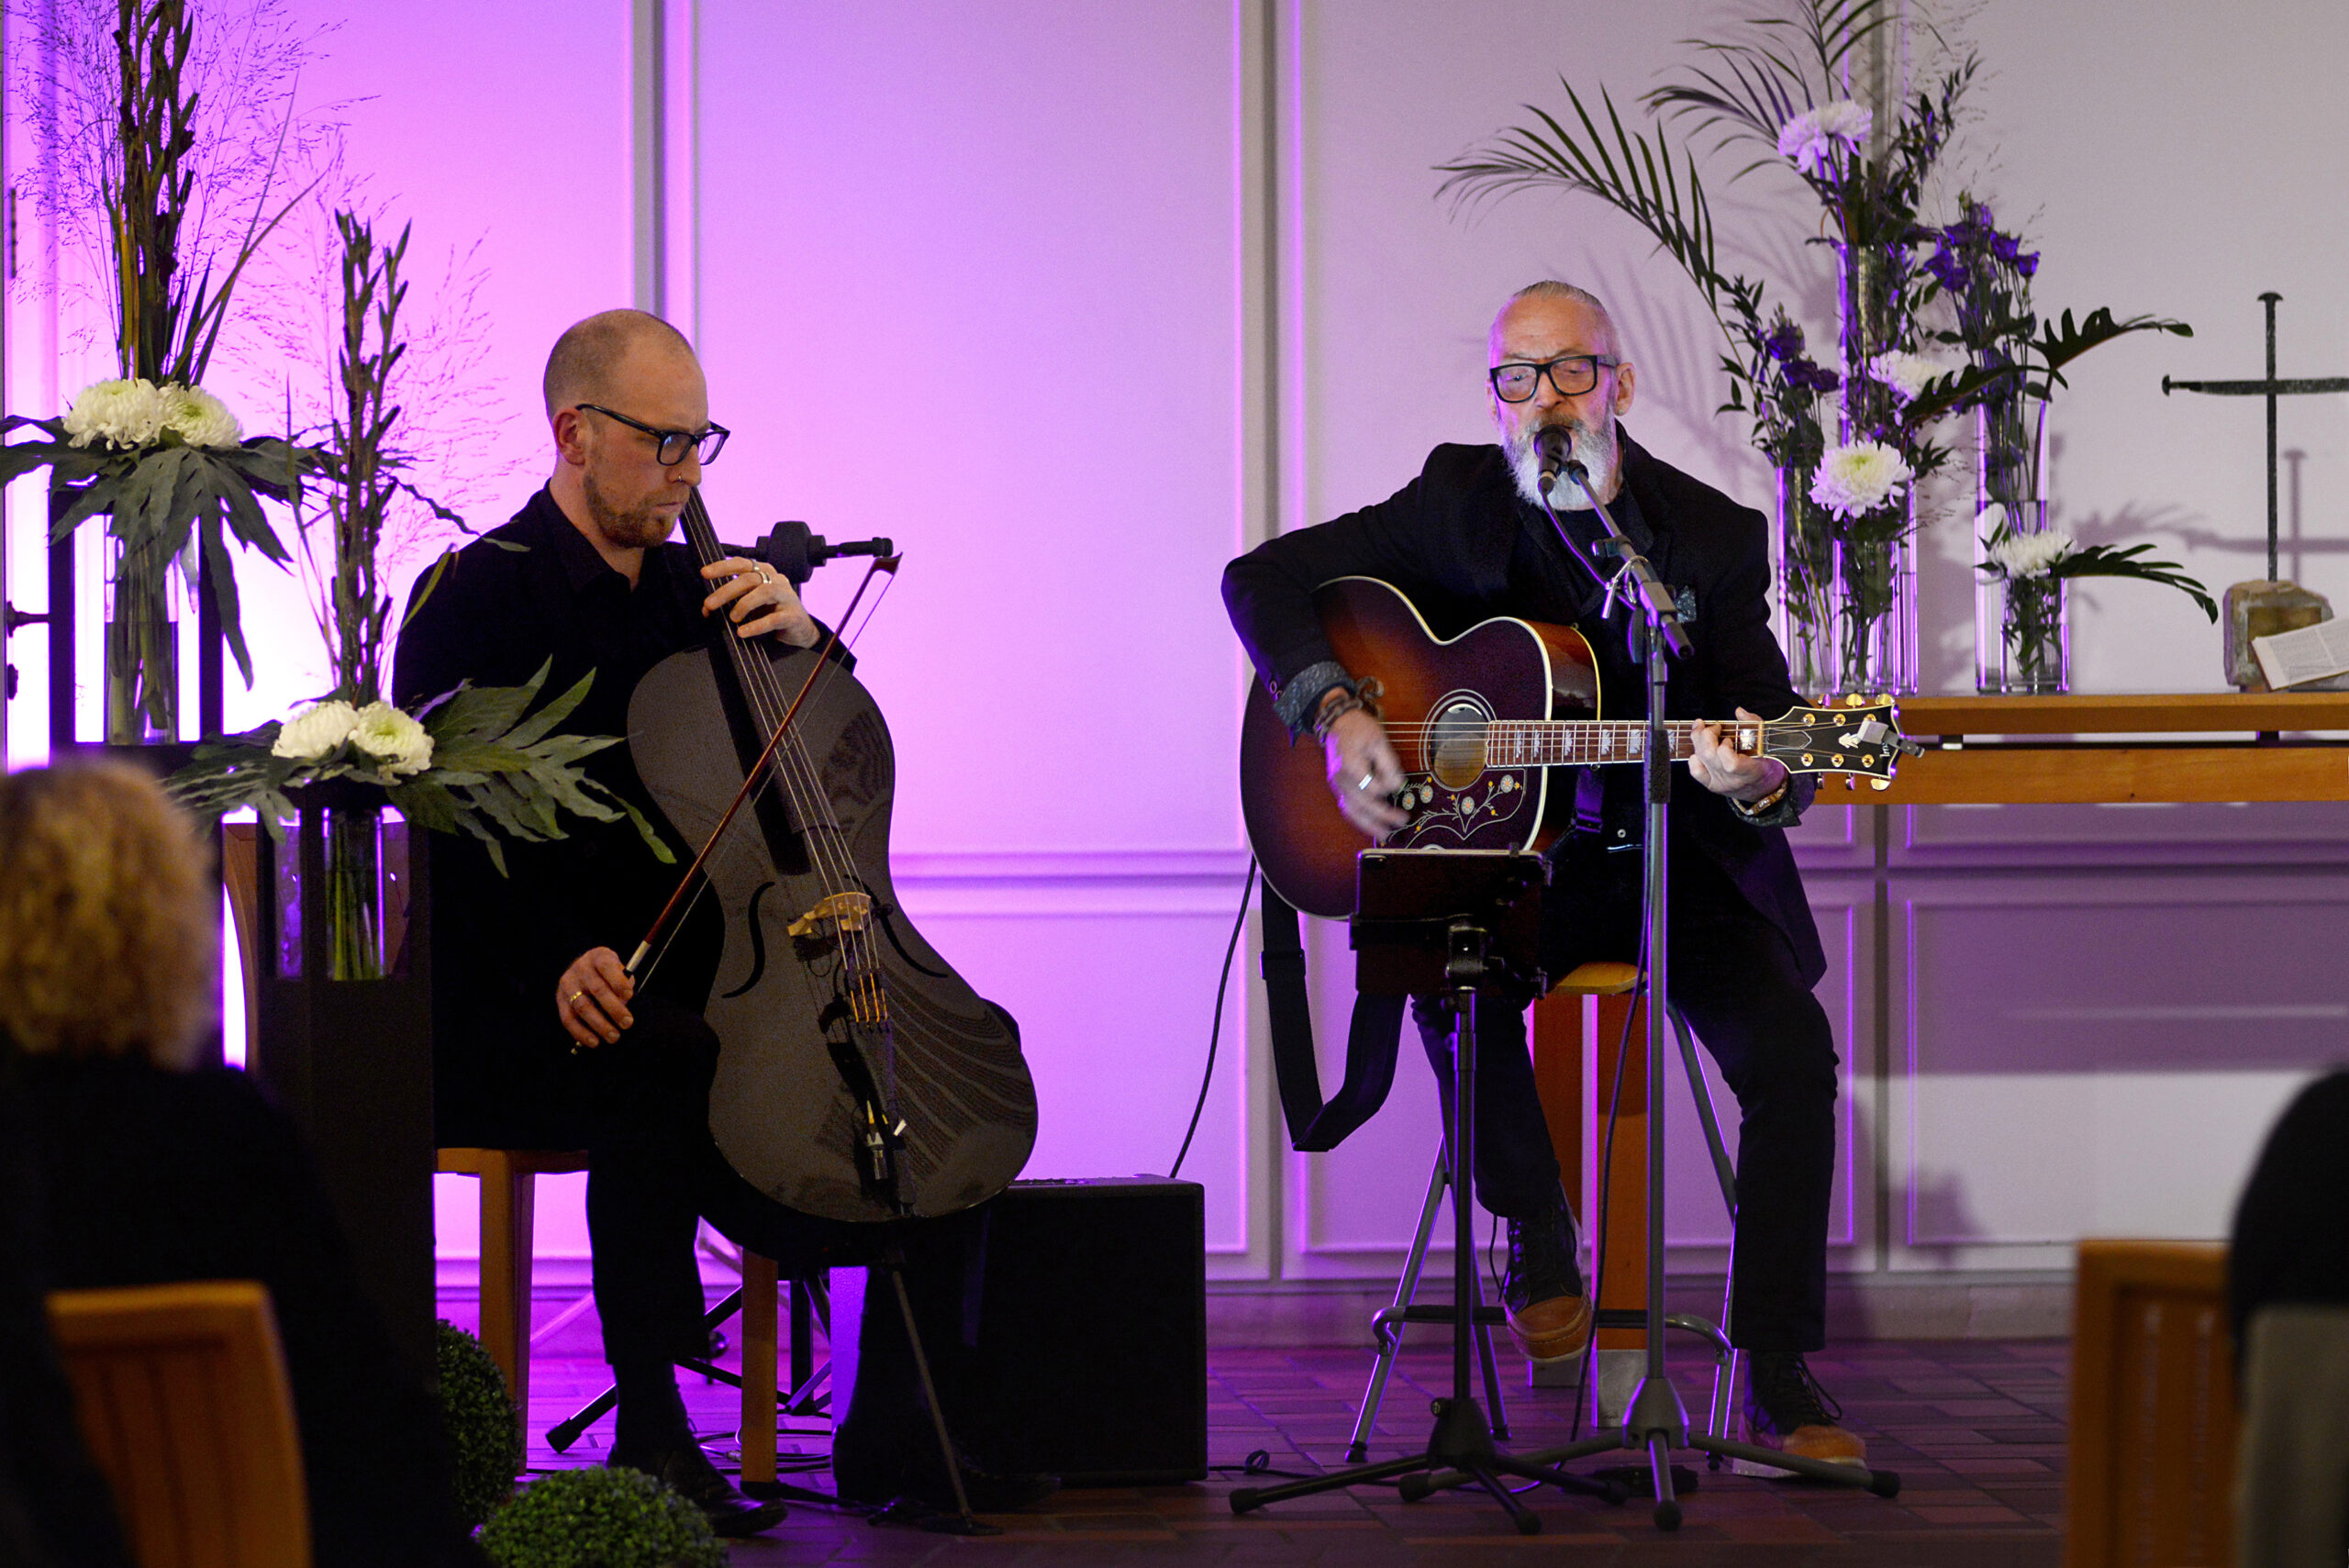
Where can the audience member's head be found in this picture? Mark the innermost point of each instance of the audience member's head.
(109, 927)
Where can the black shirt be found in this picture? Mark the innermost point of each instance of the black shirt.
(500, 944)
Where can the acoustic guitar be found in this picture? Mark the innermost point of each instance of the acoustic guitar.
(1479, 720)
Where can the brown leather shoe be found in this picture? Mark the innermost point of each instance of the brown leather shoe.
(1542, 1294)
(1787, 1410)
(1550, 1330)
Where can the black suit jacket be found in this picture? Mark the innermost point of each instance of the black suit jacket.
(1465, 547)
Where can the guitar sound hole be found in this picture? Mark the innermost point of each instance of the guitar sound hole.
(1457, 746)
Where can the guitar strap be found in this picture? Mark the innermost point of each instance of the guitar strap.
(1371, 1043)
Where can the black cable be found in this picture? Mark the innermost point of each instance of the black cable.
(1215, 1030)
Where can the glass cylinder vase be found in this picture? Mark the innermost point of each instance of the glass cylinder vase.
(1995, 611)
(354, 913)
(1872, 615)
(1803, 570)
(142, 666)
(2035, 636)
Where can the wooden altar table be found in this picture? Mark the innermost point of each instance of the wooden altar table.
(2014, 751)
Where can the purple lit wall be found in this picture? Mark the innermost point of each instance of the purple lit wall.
(1076, 300)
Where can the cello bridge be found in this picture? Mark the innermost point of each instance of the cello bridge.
(846, 911)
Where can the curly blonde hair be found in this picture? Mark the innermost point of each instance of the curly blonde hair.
(108, 924)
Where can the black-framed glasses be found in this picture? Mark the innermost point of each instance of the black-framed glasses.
(1572, 375)
(672, 445)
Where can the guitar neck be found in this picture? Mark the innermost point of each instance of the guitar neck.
(1557, 742)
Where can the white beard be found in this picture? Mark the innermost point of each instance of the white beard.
(1597, 453)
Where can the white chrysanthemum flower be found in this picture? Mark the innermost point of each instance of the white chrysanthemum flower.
(2031, 555)
(1811, 137)
(316, 730)
(200, 419)
(1857, 478)
(393, 738)
(120, 413)
(1908, 374)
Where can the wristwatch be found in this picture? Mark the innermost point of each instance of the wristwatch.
(1768, 803)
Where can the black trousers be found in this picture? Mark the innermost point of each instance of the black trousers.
(641, 1109)
(1733, 976)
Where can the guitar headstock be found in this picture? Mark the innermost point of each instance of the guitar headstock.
(1850, 735)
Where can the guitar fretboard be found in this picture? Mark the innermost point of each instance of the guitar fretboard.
(1541, 743)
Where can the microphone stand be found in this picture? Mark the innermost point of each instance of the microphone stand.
(1655, 1420)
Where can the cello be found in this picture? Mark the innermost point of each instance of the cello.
(859, 1078)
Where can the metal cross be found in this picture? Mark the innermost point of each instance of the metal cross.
(2271, 389)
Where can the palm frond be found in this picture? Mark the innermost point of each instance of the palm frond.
(1638, 177)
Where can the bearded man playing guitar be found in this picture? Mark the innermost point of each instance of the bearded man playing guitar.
(1466, 541)
(542, 1039)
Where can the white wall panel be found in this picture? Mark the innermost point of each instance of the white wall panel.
(2096, 1054)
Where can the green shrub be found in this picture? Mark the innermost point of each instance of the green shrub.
(601, 1519)
(484, 1435)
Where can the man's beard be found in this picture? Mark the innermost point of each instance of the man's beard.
(641, 528)
(1594, 449)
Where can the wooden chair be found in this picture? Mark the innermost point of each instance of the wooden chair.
(184, 1401)
(2153, 1422)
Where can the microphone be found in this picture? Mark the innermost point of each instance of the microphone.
(1556, 451)
(796, 550)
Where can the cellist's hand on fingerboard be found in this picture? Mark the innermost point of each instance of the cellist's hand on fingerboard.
(758, 601)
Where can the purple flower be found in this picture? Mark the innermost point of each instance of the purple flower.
(1785, 341)
(1803, 372)
(2027, 264)
(1948, 270)
(2005, 247)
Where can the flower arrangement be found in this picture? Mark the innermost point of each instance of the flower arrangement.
(2031, 567)
(1781, 87)
(477, 761)
(159, 458)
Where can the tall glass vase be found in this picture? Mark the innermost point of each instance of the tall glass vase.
(358, 906)
(2022, 635)
(1803, 570)
(2004, 477)
(1874, 610)
(1872, 619)
(2035, 636)
(142, 666)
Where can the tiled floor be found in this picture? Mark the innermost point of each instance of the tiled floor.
(1974, 1429)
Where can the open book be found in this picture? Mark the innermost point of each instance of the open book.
(2311, 653)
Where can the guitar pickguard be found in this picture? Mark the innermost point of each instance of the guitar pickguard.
(1493, 813)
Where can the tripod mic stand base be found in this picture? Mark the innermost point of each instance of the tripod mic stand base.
(1461, 1447)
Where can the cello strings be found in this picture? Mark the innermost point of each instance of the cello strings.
(793, 773)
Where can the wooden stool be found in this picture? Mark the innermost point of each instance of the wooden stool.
(509, 1211)
(1598, 1002)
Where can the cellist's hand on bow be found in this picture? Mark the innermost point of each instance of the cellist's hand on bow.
(591, 998)
(759, 600)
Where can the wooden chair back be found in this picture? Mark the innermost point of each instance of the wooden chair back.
(2153, 1422)
(182, 1399)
